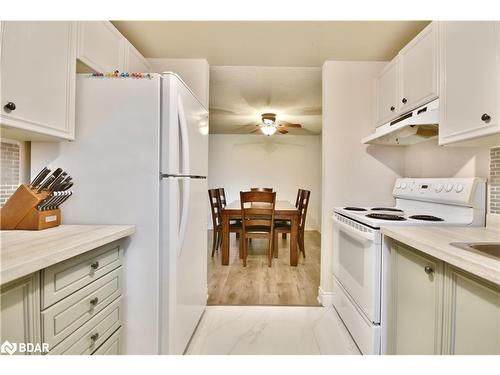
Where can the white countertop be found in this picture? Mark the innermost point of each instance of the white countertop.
(435, 241)
(23, 252)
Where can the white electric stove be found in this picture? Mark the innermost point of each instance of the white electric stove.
(359, 254)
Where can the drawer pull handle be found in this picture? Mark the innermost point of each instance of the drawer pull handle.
(428, 270)
(94, 337)
(486, 117)
(94, 265)
(94, 301)
(10, 106)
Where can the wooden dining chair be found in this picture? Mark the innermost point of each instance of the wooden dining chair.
(257, 219)
(216, 210)
(299, 192)
(286, 227)
(222, 195)
(269, 190)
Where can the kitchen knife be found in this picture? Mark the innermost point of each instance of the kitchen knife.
(67, 186)
(61, 196)
(57, 182)
(66, 195)
(39, 177)
(46, 183)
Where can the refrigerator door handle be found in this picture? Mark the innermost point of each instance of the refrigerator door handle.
(184, 136)
(186, 194)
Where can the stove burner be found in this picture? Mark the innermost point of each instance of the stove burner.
(386, 217)
(426, 218)
(354, 209)
(386, 209)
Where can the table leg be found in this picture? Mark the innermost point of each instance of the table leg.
(225, 239)
(293, 241)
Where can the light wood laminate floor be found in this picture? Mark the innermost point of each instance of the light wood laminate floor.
(258, 284)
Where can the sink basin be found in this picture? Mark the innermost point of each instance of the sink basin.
(491, 248)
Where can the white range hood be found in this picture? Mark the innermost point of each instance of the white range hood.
(413, 127)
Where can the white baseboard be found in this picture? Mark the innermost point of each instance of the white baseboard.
(325, 298)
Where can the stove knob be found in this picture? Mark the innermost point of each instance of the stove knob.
(449, 187)
(403, 185)
(398, 184)
(438, 188)
(459, 188)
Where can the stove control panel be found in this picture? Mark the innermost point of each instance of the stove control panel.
(459, 191)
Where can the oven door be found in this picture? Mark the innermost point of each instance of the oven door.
(357, 264)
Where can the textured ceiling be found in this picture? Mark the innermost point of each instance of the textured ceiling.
(270, 43)
(239, 95)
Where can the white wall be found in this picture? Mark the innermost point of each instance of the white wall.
(353, 173)
(427, 159)
(286, 163)
(195, 72)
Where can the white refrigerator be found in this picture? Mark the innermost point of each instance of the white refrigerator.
(140, 157)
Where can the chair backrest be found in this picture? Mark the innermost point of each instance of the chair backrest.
(257, 209)
(222, 195)
(303, 203)
(269, 190)
(299, 193)
(215, 207)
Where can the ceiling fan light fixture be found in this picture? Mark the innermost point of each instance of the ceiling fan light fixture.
(268, 130)
(268, 122)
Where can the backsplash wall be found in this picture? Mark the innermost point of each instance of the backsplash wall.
(10, 167)
(495, 180)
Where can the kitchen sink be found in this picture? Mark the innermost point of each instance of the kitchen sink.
(491, 248)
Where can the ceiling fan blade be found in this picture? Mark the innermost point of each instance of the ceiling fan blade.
(286, 124)
(282, 131)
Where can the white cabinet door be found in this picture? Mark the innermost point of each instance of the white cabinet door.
(469, 80)
(418, 70)
(416, 303)
(38, 65)
(101, 46)
(20, 311)
(387, 95)
(472, 318)
(135, 62)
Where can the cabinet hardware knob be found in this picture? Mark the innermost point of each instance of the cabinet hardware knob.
(94, 265)
(94, 301)
(94, 337)
(428, 270)
(10, 106)
(486, 117)
(393, 108)
(404, 100)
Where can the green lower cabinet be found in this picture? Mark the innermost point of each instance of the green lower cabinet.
(435, 308)
(417, 295)
(472, 314)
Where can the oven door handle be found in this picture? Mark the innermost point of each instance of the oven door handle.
(368, 237)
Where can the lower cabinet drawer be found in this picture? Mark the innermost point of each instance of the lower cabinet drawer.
(94, 333)
(62, 279)
(66, 316)
(111, 346)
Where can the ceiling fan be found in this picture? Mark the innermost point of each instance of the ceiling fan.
(270, 126)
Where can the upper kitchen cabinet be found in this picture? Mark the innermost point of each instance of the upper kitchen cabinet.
(418, 70)
(387, 93)
(38, 64)
(469, 81)
(101, 46)
(134, 61)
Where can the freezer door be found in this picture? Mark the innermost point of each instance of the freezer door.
(184, 130)
(183, 260)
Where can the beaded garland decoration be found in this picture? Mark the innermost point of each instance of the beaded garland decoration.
(117, 74)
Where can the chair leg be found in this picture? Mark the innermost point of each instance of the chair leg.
(214, 241)
(245, 252)
(237, 235)
(301, 242)
(275, 245)
(283, 235)
(219, 239)
(270, 252)
(240, 246)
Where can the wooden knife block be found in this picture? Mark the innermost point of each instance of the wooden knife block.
(20, 212)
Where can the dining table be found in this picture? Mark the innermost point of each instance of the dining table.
(283, 210)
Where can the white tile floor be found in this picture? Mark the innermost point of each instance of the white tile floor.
(271, 330)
